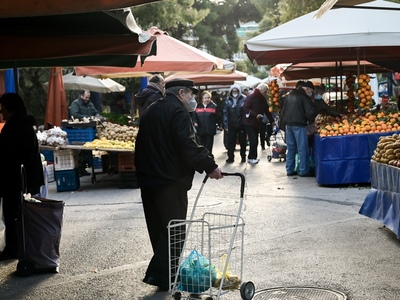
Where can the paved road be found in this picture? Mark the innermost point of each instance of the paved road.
(296, 234)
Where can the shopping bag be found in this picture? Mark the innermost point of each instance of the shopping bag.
(297, 163)
(231, 281)
(2, 228)
(197, 275)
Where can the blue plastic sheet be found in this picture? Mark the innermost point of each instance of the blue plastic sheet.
(344, 159)
(383, 201)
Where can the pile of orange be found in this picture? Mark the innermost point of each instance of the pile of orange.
(273, 96)
(352, 124)
(350, 81)
(364, 91)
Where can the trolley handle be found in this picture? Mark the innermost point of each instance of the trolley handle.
(242, 180)
(24, 186)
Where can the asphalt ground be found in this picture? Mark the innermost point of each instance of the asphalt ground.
(297, 234)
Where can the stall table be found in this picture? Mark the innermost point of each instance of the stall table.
(126, 167)
(383, 201)
(344, 159)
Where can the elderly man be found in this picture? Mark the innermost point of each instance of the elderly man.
(166, 157)
(83, 107)
(254, 108)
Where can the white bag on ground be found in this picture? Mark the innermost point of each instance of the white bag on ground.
(2, 228)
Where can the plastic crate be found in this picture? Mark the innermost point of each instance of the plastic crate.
(80, 135)
(50, 172)
(126, 162)
(67, 180)
(48, 155)
(127, 180)
(65, 160)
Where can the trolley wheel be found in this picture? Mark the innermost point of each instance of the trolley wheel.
(209, 298)
(177, 296)
(247, 290)
(25, 268)
(269, 157)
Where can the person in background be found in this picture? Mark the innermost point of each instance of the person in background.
(246, 92)
(18, 146)
(320, 107)
(118, 107)
(205, 121)
(150, 94)
(83, 107)
(297, 112)
(166, 157)
(233, 113)
(254, 108)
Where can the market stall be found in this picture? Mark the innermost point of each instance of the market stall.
(344, 159)
(109, 147)
(383, 201)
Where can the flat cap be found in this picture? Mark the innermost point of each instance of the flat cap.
(309, 84)
(183, 83)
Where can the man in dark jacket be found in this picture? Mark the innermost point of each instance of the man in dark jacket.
(166, 157)
(254, 108)
(233, 113)
(83, 107)
(150, 94)
(18, 146)
(297, 112)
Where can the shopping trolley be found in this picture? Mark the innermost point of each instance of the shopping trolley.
(206, 255)
(277, 148)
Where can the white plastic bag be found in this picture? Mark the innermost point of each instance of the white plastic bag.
(2, 228)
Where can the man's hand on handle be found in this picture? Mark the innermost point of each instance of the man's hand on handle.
(216, 174)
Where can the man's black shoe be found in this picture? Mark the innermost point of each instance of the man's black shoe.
(153, 281)
(229, 161)
(292, 174)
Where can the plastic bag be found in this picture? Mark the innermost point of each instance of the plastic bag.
(231, 281)
(2, 228)
(197, 275)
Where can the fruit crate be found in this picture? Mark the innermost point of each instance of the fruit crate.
(80, 135)
(126, 162)
(67, 180)
(65, 160)
(127, 180)
(48, 155)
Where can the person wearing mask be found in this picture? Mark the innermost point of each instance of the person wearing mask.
(233, 113)
(254, 108)
(166, 158)
(83, 107)
(18, 146)
(297, 112)
(205, 121)
(150, 94)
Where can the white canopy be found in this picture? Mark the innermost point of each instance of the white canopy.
(334, 37)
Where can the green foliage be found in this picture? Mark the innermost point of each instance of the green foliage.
(115, 118)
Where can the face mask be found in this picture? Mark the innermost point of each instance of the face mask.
(318, 97)
(234, 95)
(192, 104)
(309, 94)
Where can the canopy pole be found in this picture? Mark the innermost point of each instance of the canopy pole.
(16, 77)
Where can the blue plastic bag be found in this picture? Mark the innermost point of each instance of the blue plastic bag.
(196, 273)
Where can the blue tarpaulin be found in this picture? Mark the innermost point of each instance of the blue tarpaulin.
(383, 201)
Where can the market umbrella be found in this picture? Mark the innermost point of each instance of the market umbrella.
(211, 79)
(104, 37)
(249, 82)
(328, 4)
(56, 109)
(73, 82)
(172, 56)
(343, 34)
(326, 69)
